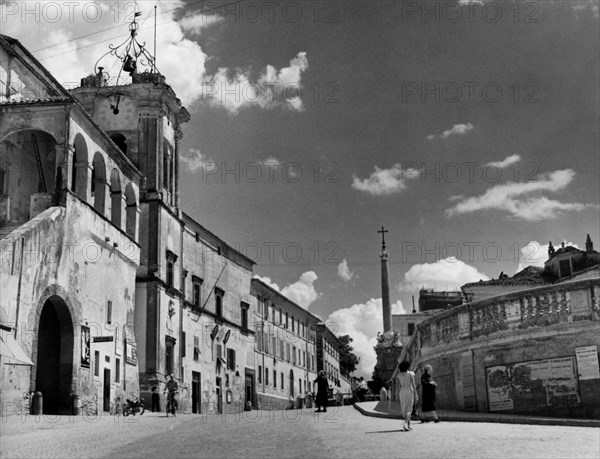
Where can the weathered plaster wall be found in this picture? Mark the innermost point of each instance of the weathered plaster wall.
(74, 253)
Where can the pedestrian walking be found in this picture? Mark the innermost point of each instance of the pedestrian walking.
(428, 386)
(155, 400)
(405, 380)
(322, 392)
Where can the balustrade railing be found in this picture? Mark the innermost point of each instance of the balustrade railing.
(568, 302)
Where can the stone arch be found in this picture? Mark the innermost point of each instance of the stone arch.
(79, 171)
(28, 173)
(116, 198)
(98, 185)
(54, 371)
(120, 141)
(131, 222)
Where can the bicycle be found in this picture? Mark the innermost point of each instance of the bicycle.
(172, 405)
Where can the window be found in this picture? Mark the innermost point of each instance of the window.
(197, 293)
(273, 312)
(117, 370)
(231, 359)
(299, 386)
(182, 344)
(266, 309)
(184, 274)
(294, 354)
(280, 317)
(266, 376)
(287, 319)
(219, 302)
(266, 343)
(293, 322)
(245, 307)
(274, 347)
(109, 312)
(281, 350)
(259, 374)
(411, 329)
(169, 358)
(259, 340)
(282, 381)
(196, 348)
(171, 259)
(96, 363)
(287, 351)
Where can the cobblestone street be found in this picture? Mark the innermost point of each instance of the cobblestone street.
(342, 432)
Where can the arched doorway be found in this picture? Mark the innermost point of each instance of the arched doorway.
(54, 366)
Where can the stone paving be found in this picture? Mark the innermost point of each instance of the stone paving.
(342, 432)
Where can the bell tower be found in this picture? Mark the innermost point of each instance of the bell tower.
(142, 115)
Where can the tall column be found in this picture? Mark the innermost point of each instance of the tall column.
(385, 286)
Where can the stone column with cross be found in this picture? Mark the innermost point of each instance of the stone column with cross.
(385, 286)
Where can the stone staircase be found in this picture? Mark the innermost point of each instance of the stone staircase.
(8, 228)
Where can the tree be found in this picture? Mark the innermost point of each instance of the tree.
(348, 360)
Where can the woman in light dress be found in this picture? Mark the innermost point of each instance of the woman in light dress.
(405, 380)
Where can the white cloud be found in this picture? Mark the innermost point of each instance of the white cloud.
(535, 254)
(446, 274)
(591, 6)
(362, 322)
(271, 162)
(344, 271)
(517, 198)
(512, 159)
(385, 181)
(195, 23)
(267, 280)
(302, 291)
(195, 160)
(457, 129)
(273, 89)
(181, 60)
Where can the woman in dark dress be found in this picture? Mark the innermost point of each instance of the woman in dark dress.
(428, 386)
(322, 392)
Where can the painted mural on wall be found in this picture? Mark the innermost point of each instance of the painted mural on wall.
(531, 384)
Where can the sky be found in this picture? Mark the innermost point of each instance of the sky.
(468, 129)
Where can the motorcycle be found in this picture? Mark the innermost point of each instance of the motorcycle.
(133, 406)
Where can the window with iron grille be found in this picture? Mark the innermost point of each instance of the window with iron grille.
(170, 354)
(245, 307)
(219, 302)
(109, 312)
(231, 359)
(196, 348)
(197, 292)
(96, 363)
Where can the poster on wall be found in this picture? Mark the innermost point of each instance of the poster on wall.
(130, 353)
(85, 346)
(587, 362)
(531, 384)
(499, 388)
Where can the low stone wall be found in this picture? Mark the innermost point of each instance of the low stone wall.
(516, 353)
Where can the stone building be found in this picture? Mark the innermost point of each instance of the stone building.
(430, 300)
(522, 344)
(69, 246)
(286, 353)
(328, 355)
(192, 290)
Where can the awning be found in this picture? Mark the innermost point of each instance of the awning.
(12, 350)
